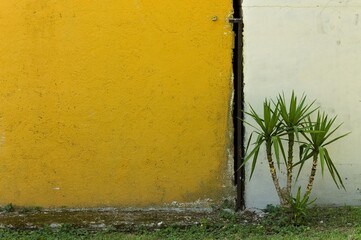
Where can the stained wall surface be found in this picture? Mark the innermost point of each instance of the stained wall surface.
(311, 47)
(114, 103)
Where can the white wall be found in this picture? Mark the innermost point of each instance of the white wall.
(311, 46)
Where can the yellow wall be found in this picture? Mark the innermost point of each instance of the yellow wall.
(117, 103)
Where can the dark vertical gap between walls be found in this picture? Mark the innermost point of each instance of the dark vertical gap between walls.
(239, 172)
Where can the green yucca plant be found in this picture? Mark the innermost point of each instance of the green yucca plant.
(292, 120)
(268, 130)
(293, 116)
(319, 136)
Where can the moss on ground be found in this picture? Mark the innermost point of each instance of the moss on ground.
(320, 223)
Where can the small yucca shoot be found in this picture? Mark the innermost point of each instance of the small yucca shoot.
(299, 206)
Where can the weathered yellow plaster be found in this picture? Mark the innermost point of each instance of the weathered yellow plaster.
(117, 103)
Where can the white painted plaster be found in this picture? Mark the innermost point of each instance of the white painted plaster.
(312, 47)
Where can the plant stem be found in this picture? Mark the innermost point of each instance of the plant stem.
(291, 141)
(274, 173)
(312, 175)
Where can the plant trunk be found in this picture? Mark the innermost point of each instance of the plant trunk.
(312, 175)
(291, 141)
(274, 173)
